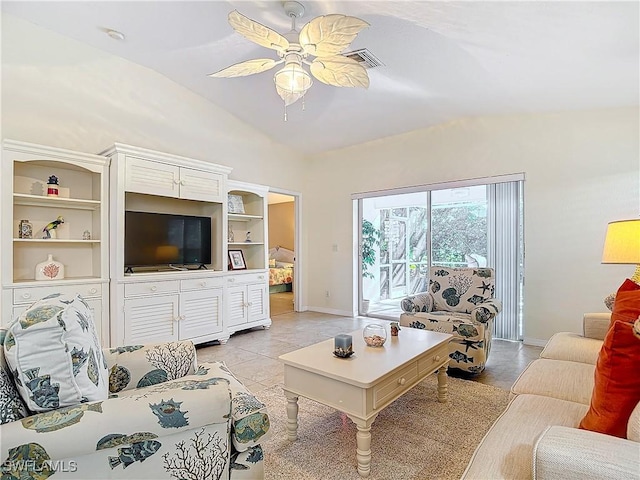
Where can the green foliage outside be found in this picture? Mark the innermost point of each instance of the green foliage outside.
(370, 239)
(456, 231)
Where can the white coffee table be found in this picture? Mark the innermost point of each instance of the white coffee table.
(362, 385)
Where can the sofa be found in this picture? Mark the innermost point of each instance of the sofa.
(163, 416)
(537, 436)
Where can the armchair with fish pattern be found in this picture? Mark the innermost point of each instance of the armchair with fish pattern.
(460, 301)
(166, 418)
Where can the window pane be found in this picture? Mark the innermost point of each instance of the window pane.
(398, 280)
(384, 283)
(398, 239)
(459, 227)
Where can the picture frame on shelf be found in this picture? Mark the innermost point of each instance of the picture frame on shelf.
(236, 260)
(235, 203)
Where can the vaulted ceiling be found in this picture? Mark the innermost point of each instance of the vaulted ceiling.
(442, 60)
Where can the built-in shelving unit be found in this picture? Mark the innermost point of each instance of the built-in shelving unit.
(247, 292)
(82, 202)
(252, 222)
(165, 304)
(151, 304)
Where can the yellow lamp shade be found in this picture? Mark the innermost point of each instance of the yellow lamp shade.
(622, 243)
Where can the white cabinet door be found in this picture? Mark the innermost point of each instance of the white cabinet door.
(152, 178)
(236, 300)
(257, 300)
(200, 313)
(199, 185)
(151, 319)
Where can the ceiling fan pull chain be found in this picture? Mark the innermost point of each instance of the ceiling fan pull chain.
(303, 103)
(285, 112)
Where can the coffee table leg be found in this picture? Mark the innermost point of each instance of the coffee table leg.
(292, 415)
(363, 444)
(443, 382)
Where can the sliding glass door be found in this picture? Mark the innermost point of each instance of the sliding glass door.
(403, 234)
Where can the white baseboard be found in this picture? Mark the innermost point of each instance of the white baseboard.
(330, 311)
(536, 342)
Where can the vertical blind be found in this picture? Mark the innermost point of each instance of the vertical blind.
(506, 255)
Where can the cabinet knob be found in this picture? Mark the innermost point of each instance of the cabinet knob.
(261, 277)
(153, 289)
(93, 290)
(26, 295)
(437, 358)
(203, 284)
(231, 280)
(182, 317)
(176, 182)
(181, 182)
(250, 303)
(402, 381)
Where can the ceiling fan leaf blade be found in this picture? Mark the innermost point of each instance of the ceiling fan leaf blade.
(249, 67)
(340, 71)
(256, 32)
(330, 34)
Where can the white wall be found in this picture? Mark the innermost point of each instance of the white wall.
(582, 171)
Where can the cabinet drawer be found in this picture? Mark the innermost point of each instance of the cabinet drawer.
(429, 363)
(244, 279)
(394, 385)
(150, 288)
(201, 283)
(31, 294)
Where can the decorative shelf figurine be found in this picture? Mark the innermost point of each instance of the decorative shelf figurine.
(86, 235)
(52, 186)
(50, 229)
(230, 236)
(49, 269)
(248, 237)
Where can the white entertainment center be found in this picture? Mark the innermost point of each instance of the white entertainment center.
(147, 304)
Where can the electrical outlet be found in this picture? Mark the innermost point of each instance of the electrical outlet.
(327, 294)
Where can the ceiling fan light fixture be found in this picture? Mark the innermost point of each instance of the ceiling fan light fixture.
(292, 81)
(324, 37)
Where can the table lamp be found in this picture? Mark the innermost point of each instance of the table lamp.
(622, 245)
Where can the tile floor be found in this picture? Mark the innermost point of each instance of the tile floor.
(252, 355)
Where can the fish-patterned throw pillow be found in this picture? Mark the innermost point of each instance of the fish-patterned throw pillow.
(460, 289)
(11, 406)
(54, 354)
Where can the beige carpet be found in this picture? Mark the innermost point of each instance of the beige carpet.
(414, 438)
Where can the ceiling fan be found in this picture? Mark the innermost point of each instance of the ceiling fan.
(324, 37)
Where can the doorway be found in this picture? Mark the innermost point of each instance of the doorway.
(282, 253)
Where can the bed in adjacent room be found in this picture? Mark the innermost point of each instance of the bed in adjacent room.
(281, 270)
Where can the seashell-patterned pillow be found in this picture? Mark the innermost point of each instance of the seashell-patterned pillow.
(11, 406)
(54, 354)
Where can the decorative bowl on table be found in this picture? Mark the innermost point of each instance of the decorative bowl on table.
(374, 335)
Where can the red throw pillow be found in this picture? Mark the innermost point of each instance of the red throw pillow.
(616, 391)
(626, 306)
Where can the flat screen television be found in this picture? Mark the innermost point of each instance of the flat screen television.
(158, 239)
